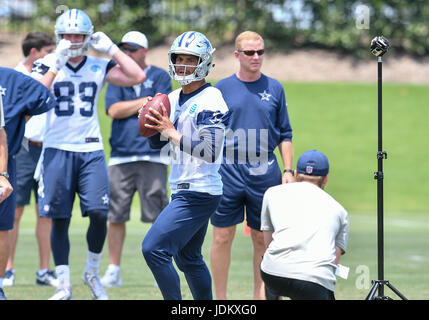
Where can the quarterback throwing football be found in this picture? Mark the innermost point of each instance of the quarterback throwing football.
(195, 131)
(72, 159)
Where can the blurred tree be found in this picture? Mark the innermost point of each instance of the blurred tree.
(341, 25)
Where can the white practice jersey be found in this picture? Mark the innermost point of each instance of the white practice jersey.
(188, 172)
(73, 125)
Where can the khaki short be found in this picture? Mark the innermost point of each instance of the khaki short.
(148, 178)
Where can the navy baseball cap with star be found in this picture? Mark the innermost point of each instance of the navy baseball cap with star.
(313, 163)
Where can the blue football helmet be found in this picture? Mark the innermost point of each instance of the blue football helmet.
(192, 43)
(75, 21)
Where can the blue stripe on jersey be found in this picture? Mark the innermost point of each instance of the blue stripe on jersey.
(39, 68)
(210, 118)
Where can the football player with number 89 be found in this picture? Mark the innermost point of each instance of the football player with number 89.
(72, 160)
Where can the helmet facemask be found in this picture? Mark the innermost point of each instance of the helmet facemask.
(78, 49)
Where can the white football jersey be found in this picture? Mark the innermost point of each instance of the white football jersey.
(188, 172)
(73, 125)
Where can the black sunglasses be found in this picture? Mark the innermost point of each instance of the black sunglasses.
(250, 53)
(130, 49)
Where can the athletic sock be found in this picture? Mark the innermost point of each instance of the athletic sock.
(63, 275)
(93, 262)
(41, 272)
(113, 268)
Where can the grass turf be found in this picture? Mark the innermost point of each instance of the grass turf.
(341, 121)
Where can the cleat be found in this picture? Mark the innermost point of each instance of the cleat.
(9, 278)
(92, 280)
(47, 279)
(62, 293)
(111, 279)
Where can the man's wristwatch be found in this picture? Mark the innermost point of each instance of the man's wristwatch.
(288, 170)
(4, 174)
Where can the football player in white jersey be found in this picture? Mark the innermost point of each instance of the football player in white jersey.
(195, 130)
(73, 160)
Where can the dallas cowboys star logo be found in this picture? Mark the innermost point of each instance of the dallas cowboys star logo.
(2, 91)
(148, 84)
(265, 96)
(105, 199)
(215, 119)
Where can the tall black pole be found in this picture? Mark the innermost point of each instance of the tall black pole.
(380, 177)
(379, 46)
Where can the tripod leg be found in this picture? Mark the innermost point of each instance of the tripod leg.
(373, 291)
(396, 291)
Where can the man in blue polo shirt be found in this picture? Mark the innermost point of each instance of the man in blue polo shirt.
(22, 96)
(259, 123)
(133, 165)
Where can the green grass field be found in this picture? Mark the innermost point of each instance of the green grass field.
(341, 121)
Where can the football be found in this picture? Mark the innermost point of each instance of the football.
(154, 103)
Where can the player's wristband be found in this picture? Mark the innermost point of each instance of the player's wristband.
(53, 70)
(112, 50)
(288, 170)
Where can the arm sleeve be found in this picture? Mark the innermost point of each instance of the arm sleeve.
(211, 134)
(208, 148)
(156, 142)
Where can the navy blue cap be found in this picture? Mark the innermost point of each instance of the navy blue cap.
(313, 163)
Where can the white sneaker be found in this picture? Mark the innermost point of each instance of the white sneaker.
(62, 293)
(9, 278)
(48, 278)
(112, 279)
(92, 280)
